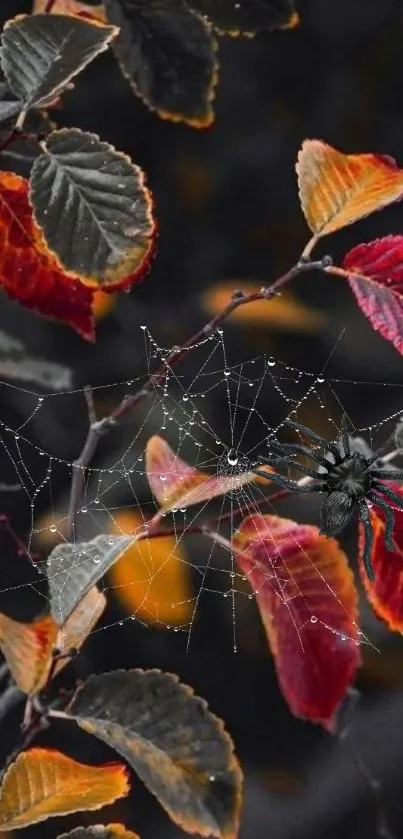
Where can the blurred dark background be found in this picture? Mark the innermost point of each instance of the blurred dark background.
(228, 212)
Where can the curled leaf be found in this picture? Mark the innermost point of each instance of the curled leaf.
(179, 749)
(93, 208)
(308, 604)
(337, 189)
(43, 783)
(176, 484)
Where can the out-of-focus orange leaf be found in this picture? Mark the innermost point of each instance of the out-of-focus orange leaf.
(308, 604)
(43, 783)
(151, 580)
(71, 7)
(29, 273)
(100, 831)
(81, 622)
(176, 484)
(337, 189)
(27, 648)
(385, 593)
(284, 313)
(103, 304)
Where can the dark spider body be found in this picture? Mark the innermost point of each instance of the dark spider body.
(349, 478)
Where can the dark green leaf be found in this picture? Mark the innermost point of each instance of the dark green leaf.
(178, 748)
(73, 569)
(93, 208)
(247, 17)
(168, 54)
(42, 53)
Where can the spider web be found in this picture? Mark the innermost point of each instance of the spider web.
(219, 419)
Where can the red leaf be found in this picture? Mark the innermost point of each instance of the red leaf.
(375, 275)
(308, 604)
(385, 593)
(29, 273)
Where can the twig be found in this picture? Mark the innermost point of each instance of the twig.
(373, 785)
(98, 429)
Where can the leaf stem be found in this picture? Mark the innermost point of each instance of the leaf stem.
(98, 429)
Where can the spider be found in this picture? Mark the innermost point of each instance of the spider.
(349, 477)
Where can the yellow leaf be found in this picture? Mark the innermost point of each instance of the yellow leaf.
(337, 189)
(284, 313)
(27, 648)
(43, 783)
(151, 580)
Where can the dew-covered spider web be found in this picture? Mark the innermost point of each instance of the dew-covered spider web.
(217, 414)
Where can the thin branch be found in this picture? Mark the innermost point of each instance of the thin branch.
(98, 429)
(373, 785)
(49, 6)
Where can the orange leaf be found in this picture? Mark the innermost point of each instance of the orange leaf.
(308, 604)
(151, 580)
(337, 189)
(27, 648)
(43, 783)
(103, 304)
(385, 593)
(285, 313)
(176, 484)
(100, 831)
(71, 7)
(29, 273)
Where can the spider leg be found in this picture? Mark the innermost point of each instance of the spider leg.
(389, 518)
(390, 493)
(383, 448)
(388, 475)
(344, 435)
(315, 438)
(369, 537)
(285, 461)
(297, 448)
(287, 483)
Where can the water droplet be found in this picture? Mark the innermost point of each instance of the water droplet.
(163, 477)
(84, 509)
(320, 379)
(271, 362)
(96, 500)
(53, 528)
(227, 373)
(185, 398)
(313, 619)
(232, 458)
